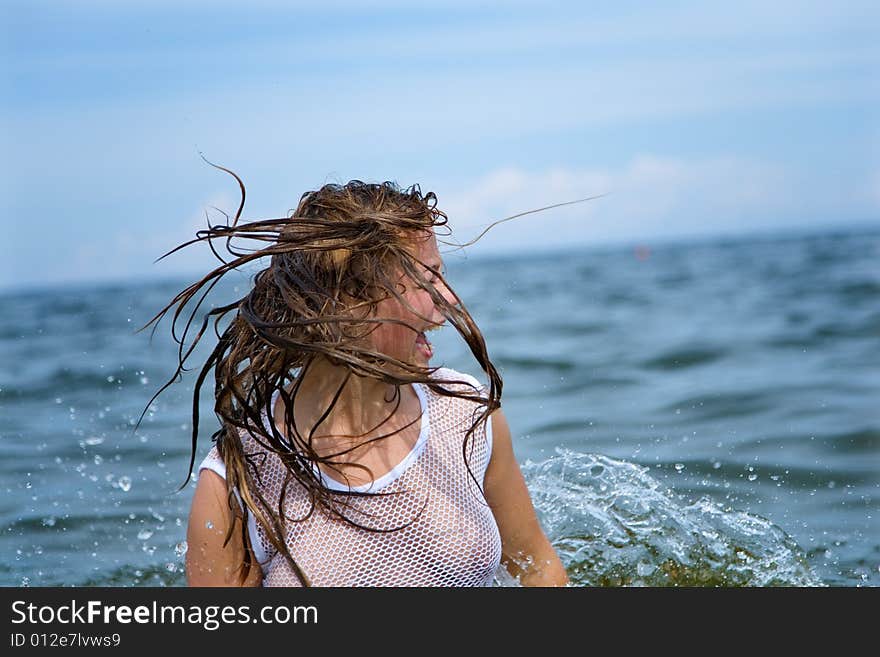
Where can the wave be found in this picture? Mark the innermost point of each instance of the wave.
(615, 525)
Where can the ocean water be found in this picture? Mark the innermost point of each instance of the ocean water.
(702, 413)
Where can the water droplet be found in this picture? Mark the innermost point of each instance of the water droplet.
(144, 534)
(144, 380)
(94, 440)
(716, 465)
(25, 581)
(125, 484)
(181, 548)
(49, 522)
(753, 476)
(171, 567)
(111, 379)
(209, 524)
(832, 484)
(98, 459)
(679, 467)
(645, 569)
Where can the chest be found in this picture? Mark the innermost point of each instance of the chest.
(357, 459)
(430, 528)
(429, 525)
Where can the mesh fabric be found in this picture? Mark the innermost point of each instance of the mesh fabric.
(444, 531)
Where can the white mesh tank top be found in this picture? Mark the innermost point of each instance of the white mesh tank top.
(453, 542)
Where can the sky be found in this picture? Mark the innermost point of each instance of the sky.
(691, 119)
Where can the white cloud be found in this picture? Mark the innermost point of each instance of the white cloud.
(651, 197)
(388, 101)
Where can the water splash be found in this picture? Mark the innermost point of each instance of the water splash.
(614, 525)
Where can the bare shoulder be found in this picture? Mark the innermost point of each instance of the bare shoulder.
(210, 559)
(210, 504)
(500, 430)
(502, 463)
(526, 551)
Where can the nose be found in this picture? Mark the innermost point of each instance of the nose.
(447, 293)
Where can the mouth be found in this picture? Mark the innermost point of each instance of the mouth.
(424, 345)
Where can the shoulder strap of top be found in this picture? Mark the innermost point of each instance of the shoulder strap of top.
(214, 463)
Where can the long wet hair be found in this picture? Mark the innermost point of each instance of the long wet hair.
(331, 262)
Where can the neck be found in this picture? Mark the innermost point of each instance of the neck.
(361, 405)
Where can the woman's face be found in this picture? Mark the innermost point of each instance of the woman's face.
(410, 344)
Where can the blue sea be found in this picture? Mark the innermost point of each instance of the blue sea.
(700, 413)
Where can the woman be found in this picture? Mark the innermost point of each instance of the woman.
(343, 458)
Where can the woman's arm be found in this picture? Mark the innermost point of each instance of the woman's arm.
(526, 551)
(208, 561)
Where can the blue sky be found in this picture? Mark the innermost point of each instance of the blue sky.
(694, 118)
